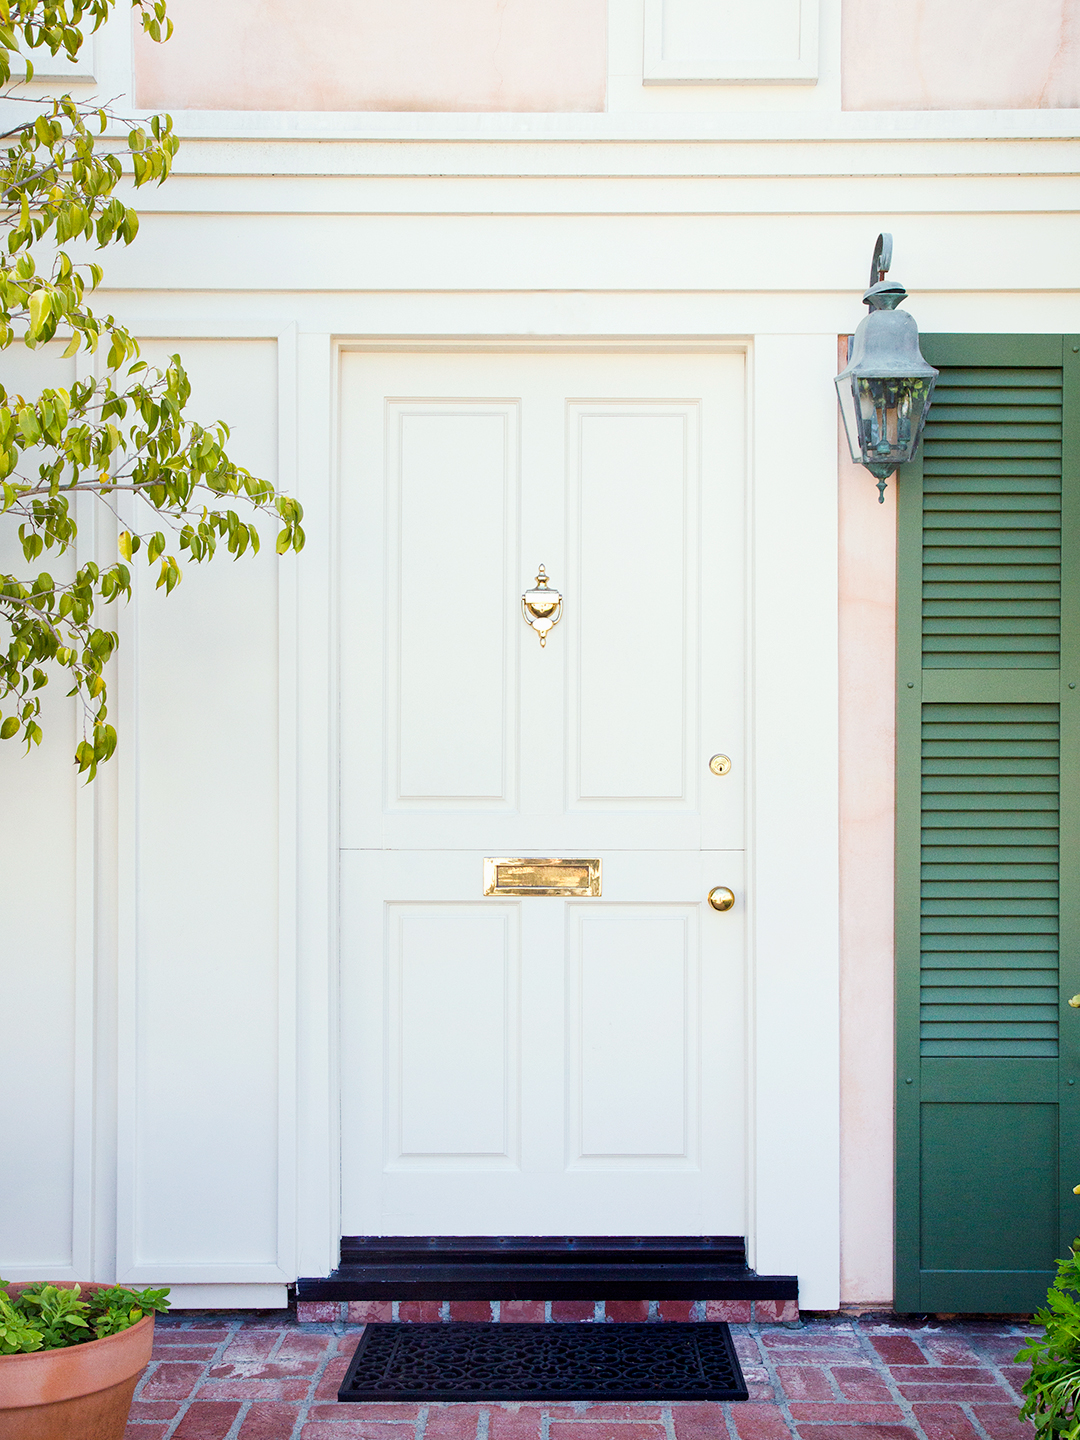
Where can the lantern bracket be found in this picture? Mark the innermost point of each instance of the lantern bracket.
(879, 266)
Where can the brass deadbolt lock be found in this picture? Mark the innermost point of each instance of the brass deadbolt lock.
(721, 898)
(720, 764)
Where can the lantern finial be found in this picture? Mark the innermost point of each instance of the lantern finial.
(879, 266)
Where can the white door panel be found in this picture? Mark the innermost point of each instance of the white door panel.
(542, 1065)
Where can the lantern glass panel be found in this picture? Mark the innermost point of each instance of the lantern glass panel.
(884, 416)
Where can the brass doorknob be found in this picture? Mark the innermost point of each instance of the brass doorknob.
(721, 898)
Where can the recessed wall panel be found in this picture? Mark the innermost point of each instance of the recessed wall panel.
(632, 1042)
(717, 40)
(453, 1021)
(201, 1046)
(453, 477)
(39, 1202)
(633, 469)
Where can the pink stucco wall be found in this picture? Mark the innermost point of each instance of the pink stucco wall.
(961, 54)
(378, 55)
(867, 583)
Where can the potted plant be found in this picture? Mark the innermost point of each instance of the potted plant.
(70, 1358)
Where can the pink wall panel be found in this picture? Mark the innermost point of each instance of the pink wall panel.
(378, 55)
(961, 54)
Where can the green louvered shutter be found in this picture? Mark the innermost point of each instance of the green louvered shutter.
(988, 857)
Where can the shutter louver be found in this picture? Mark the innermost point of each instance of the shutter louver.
(989, 981)
(992, 520)
(991, 601)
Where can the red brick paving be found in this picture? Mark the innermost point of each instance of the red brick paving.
(420, 1310)
(360, 1312)
(760, 1422)
(856, 1432)
(269, 1420)
(1001, 1423)
(204, 1420)
(583, 1430)
(945, 1422)
(470, 1309)
(833, 1378)
(803, 1382)
(898, 1350)
(523, 1423)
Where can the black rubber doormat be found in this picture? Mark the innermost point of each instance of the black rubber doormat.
(462, 1360)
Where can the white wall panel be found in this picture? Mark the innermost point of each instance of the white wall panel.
(200, 1046)
(795, 851)
(711, 40)
(46, 950)
(589, 252)
(38, 989)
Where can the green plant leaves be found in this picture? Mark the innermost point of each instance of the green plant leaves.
(45, 1317)
(1052, 1390)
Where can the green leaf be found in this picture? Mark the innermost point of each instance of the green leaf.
(40, 310)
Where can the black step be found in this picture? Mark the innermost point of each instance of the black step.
(545, 1267)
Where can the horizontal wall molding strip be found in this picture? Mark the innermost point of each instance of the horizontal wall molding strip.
(452, 1267)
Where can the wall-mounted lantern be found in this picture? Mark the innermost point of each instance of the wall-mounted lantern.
(886, 385)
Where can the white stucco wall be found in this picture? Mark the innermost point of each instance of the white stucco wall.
(867, 575)
(687, 213)
(378, 55)
(961, 54)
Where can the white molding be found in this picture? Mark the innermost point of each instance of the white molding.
(177, 1272)
(228, 1297)
(84, 964)
(336, 128)
(794, 816)
(711, 70)
(793, 994)
(318, 1087)
(288, 806)
(129, 1269)
(126, 690)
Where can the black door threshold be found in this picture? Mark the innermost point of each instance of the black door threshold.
(545, 1267)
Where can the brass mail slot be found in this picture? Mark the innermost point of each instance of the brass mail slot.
(526, 876)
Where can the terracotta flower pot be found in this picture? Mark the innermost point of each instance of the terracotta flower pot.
(82, 1392)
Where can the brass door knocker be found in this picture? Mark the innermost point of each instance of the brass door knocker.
(542, 607)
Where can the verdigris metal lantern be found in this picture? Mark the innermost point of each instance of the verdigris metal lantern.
(885, 388)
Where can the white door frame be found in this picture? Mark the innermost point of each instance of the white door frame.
(792, 793)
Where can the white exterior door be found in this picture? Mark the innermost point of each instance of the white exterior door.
(528, 1065)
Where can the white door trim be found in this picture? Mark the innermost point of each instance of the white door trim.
(793, 884)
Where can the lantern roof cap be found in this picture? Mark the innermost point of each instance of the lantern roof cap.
(885, 295)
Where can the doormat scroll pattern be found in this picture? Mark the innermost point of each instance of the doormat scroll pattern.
(477, 1361)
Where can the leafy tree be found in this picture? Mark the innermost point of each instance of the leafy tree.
(61, 165)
